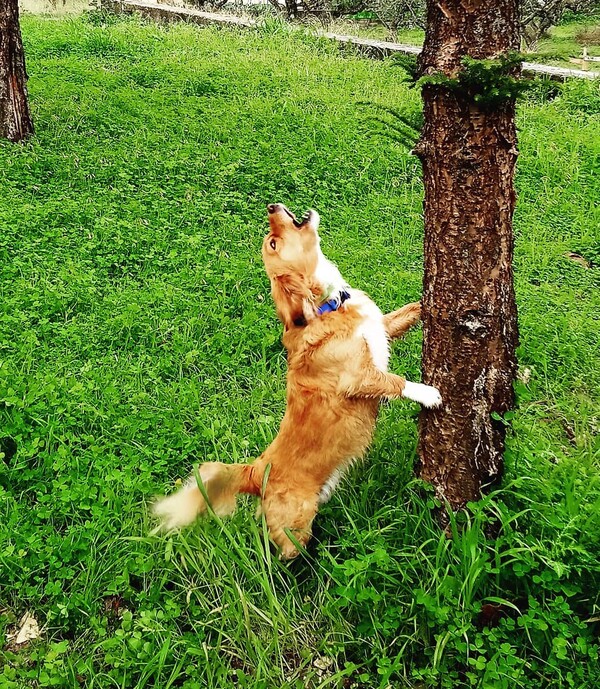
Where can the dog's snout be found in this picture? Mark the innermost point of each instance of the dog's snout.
(273, 207)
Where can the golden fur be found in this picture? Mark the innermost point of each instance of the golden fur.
(337, 374)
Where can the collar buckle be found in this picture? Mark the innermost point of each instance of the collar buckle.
(334, 303)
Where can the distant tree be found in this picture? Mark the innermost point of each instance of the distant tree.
(325, 9)
(204, 4)
(468, 149)
(291, 8)
(15, 119)
(538, 16)
(397, 14)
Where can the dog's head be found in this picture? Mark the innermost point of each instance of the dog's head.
(292, 246)
(291, 256)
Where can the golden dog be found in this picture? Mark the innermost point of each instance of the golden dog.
(337, 342)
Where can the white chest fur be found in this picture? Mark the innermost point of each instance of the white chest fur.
(372, 329)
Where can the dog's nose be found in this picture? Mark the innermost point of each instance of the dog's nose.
(273, 207)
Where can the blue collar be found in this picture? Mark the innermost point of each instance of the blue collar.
(333, 304)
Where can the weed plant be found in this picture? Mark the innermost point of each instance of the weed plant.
(137, 337)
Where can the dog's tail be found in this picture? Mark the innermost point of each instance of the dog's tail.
(221, 482)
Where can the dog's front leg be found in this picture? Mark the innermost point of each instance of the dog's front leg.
(398, 322)
(372, 383)
(376, 384)
(289, 512)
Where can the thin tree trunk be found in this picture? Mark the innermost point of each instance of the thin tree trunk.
(468, 153)
(15, 119)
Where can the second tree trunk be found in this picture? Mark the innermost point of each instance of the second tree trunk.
(15, 119)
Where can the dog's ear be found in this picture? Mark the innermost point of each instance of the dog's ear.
(293, 298)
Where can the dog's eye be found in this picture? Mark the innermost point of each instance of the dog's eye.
(273, 244)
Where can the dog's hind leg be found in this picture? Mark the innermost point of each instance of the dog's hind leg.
(221, 484)
(398, 322)
(286, 512)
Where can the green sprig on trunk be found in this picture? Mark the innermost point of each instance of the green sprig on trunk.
(489, 82)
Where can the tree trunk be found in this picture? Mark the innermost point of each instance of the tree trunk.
(15, 120)
(468, 153)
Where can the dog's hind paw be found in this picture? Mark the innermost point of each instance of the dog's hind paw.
(426, 395)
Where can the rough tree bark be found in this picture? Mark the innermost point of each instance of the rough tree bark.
(15, 119)
(468, 153)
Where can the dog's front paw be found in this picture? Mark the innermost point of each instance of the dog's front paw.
(426, 395)
(414, 310)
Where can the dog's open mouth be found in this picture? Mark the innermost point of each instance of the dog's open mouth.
(297, 223)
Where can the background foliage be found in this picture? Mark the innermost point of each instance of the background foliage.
(137, 337)
(537, 16)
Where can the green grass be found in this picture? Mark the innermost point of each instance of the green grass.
(556, 48)
(137, 337)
